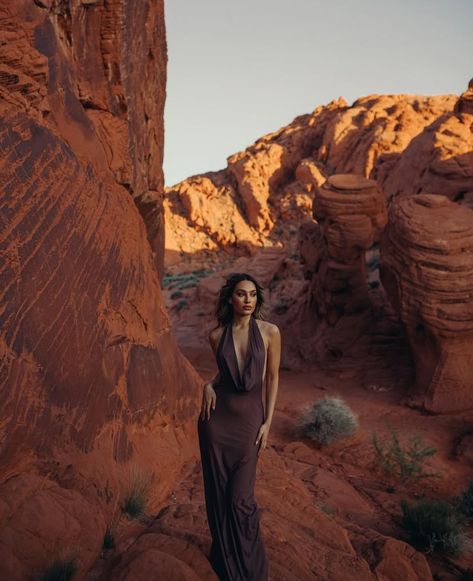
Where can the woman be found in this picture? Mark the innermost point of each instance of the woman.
(233, 427)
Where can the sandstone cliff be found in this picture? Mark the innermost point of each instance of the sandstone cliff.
(92, 384)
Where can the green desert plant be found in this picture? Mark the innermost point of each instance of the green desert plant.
(466, 501)
(328, 420)
(404, 462)
(134, 504)
(59, 570)
(434, 525)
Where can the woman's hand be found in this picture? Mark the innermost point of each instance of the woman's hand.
(209, 399)
(262, 438)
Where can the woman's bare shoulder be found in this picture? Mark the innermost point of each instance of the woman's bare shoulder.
(267, 328)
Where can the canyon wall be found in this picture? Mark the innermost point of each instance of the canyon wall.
(93, 387)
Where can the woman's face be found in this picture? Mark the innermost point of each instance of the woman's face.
(244, 297)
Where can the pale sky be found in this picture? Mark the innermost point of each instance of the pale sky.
(240, 69)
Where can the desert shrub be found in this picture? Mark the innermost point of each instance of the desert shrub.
(328, 420)
(466, 501)
(434, 525)
(59, 570)
(137, 495)
(404, 462)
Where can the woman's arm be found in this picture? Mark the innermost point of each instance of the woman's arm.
(272, 383)
(209, 397)
(272, 373)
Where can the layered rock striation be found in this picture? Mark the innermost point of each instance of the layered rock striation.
(427, 271)
(93, 387)
(351, 213)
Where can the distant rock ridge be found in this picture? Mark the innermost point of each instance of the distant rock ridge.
(409, 144)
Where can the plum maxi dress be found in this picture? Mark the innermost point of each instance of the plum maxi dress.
(229, 457)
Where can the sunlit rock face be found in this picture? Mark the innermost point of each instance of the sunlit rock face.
(440, 159)
(270, 185)
(465, 102)
(427, 271)
(92, 384)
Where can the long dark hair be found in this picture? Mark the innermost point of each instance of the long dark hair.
(224, 310)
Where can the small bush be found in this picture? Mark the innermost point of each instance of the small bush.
(434, 525)
(466, 501)
(405, 463)
(328, 420)
(60, 570)
(137, 496)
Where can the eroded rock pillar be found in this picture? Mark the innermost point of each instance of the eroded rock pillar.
(427, 271)
(351, 212)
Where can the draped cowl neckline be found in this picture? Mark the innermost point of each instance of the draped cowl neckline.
(252, 372)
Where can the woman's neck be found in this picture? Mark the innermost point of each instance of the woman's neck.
(241, 321)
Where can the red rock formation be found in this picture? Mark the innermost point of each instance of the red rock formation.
(91, 379)
(351, 213)
(239, 196)
(465, 102)
(427, 270)
(439, 160)
(203, 213)
(409, 144)
(273, 181)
